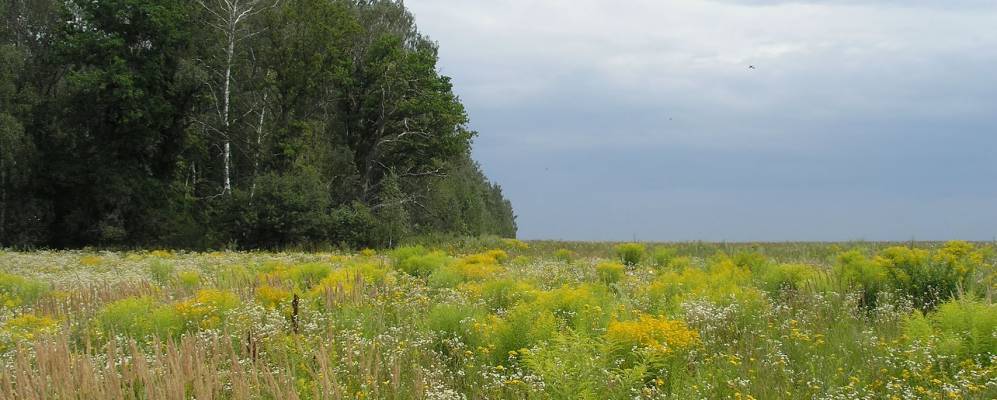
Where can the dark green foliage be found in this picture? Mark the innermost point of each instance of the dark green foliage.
(342, 130)
(465, 203)
(286, 209)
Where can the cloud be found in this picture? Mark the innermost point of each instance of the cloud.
(846, 96)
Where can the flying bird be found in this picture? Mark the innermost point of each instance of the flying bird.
(752, 67)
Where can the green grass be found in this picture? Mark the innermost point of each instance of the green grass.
(490, 318)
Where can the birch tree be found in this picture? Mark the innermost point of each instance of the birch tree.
(230, 19)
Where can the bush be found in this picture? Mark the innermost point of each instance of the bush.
(574, 367)
(585, 308)
(308, 275)
(208, 309)
(610, 272)
(523, 327)
(471, 268)
(24, 328)
(502, 294)
(446, 277)
(753, 261)
(929, 280)
(630, 253)
(854, 271)
(347, 279)
(453, 321)
(417, 261)
(137, 318)
(234, 276)
(722, 283)
(659, 337)
(189, 280)
(652, 346)
(564, 255)
(161, 272)
(288, 209)
(272, 297)
(778, 277)
(962, 328)
(662, 256)
(18, 291)
(300, 276)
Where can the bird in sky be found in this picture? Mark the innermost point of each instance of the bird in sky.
(752, 67)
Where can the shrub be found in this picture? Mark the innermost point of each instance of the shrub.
(285, 209)
(680, 263)
(234, 276)
(610, 272)
(957, 264)
(630, 253)
(307, 275)
(523, 327)
(272, 297)
(189, 279)
(24, 328)
(574, 367)
(454, 321)
(751, 260)
(659, 336)
(722, 283)
(475, 267)
(778, 277)
(488, 257)
(961, 328)
(347, 279)
(515, 244)
(913, 273)
(161, 272)
(662, 256)
(854, 271)
(564, 255)
(967, 328)
(300, 276)
(417, 261)
(401, 253)
(207, 309)
(138, 318)
(446, 277)
(585, 308)
(502, 294)
(91, 260)
(17, 291)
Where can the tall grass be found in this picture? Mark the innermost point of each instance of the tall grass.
(504, 320)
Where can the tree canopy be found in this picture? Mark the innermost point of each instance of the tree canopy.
(247, 123)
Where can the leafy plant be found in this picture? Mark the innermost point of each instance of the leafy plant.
(610, 272)
(19, 291)
(138, 318)
(630, 253)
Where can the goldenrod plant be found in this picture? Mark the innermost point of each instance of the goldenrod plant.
(504, 320)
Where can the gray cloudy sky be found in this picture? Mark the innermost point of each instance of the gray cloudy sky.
(605, 120)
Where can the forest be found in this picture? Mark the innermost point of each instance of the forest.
(231, 123)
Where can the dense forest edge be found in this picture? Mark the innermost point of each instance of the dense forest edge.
(241, 124)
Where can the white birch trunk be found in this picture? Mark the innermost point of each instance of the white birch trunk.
(228, 18)
(227, 95)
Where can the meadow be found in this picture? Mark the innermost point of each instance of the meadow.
(504, 319)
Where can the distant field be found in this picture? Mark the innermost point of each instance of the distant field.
(504, 319)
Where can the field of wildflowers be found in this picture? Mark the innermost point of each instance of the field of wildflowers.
(495, 319)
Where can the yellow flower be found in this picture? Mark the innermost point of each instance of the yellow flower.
(660, 335)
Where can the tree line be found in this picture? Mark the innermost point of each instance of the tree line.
(246, 123)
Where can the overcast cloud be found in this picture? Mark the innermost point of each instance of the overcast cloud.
(606, 120)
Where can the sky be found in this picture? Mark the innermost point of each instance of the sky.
(641, 119)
